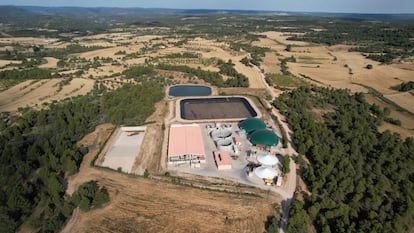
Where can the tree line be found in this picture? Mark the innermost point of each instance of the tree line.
(382, 42)
(213, 78)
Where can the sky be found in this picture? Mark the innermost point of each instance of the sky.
(343, 6)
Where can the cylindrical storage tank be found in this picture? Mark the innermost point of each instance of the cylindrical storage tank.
(220, 133)
(225, 144)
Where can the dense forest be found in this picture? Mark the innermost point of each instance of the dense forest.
(360, 180)
(381, 42)
(9, 78)
(37, 152)
(406, 86)
(214, 78)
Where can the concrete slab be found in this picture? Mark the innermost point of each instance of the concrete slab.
(124, 148)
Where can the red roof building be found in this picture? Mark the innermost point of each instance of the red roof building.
(222, 160)
(185, 144)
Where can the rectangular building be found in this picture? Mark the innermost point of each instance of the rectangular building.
(185, 144)
(222, 160)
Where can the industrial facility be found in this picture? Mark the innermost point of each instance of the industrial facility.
(186, 145)
(226, 149)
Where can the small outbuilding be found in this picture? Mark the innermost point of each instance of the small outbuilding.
(237, 140)
(222, 160)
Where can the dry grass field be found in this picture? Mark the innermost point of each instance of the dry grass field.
(407, 120)
(271, 63)
(35, 92)
(281, 38)
(28, 40)
(335, 66)
(7, 62)
(332, 66)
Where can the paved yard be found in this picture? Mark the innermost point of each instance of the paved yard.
(124, 148)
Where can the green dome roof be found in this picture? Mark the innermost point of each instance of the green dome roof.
(252, 124)
(264, 137)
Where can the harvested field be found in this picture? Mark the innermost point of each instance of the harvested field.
(78, 86)
(7, 62)
(271, 63)
(36, 92)
(383, 78)
(406, 119)
(103, 71)
(27, 94)
(253, 73)
(328, 74)
(281, 37)
(404, 99)
(28, 40)
(102, 43)
(154, 206)
(135, 61)
(336, 67)
(269, 43)
(109, 52)
(405, 133)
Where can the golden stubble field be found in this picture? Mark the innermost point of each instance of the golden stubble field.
(34, 92)
(332, 66)
(336, 67)
(31, 93)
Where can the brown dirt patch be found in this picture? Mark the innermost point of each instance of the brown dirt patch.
(51, 63)
(7, 62)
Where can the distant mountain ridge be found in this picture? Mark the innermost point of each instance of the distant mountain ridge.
(15, 12)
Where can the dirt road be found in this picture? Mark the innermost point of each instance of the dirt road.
(288, 190)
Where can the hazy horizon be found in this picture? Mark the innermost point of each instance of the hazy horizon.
(334, 6)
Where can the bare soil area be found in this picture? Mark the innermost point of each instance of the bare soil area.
(51, 63)
(7, 62)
